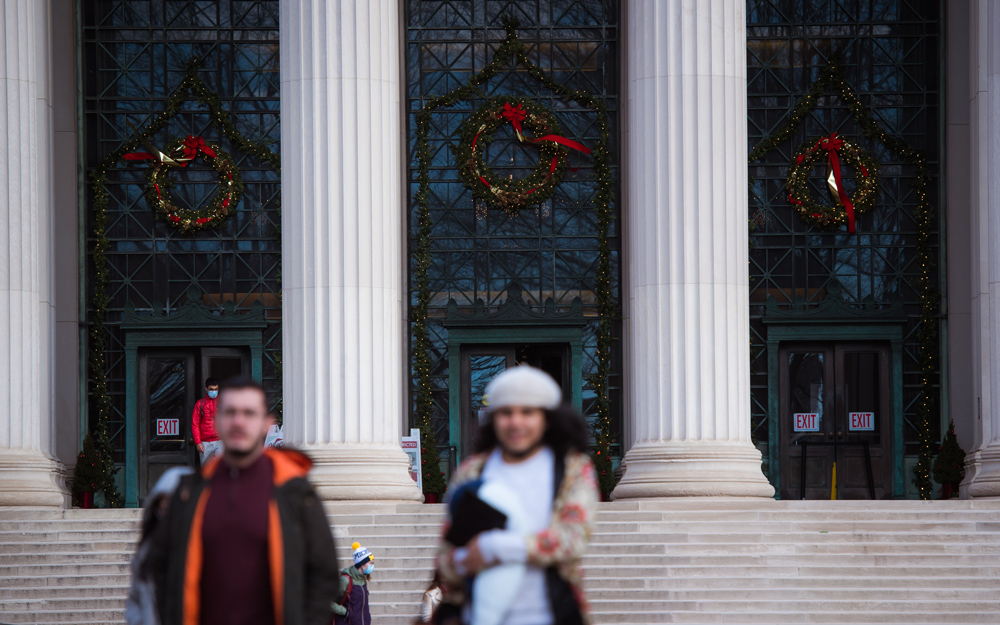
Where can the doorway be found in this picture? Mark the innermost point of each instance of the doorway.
(170, 382)
(482, 363)
(835, 406)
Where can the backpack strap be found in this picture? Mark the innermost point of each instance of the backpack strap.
(350, 587)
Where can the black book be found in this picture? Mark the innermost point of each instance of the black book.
(471, 516)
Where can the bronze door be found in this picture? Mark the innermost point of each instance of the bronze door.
(834, 399)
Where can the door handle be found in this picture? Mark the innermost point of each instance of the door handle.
(829, 435)
(840, 433)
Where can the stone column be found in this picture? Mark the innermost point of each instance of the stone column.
(685, 219)
(28, 473)
(342, 229)
(983, 463)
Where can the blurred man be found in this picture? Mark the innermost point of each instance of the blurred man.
(206, 439)
(246, 541)
(535, 448)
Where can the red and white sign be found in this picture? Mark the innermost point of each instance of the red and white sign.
(411, 446)
(274, 437)
(861, 421)
(806, 422)
(168, 427)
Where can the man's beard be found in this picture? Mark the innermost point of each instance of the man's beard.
(243, 453)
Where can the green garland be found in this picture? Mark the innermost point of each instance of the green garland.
(191, 83)
(832, 77)
(799, 171)
(222, 205)
(475, 136)
(513, 50)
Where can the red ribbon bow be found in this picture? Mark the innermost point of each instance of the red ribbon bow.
(831, 144)
(514, 114)
(192, 146)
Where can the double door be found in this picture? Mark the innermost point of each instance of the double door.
(835, 413)
(170, 383)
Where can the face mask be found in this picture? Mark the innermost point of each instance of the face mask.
(213, 394)
(368, 569)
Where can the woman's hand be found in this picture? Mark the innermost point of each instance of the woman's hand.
(473, 561)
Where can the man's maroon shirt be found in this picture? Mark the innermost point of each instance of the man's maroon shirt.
(235, 578)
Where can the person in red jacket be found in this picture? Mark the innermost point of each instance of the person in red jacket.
(206, 439)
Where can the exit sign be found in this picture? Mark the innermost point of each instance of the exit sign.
(168, 427)
(861, 421)
(806, 421)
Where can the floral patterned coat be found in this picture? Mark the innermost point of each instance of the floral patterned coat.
(560, 546)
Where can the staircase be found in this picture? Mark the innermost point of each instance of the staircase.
(659, 561)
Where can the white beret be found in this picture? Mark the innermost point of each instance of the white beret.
(523, 386)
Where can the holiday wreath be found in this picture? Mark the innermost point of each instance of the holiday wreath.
(835, 151)
(522, 114)
(180, 154)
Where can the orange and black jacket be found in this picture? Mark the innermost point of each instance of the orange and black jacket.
(303, 563)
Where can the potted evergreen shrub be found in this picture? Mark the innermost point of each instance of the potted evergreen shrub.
(949, 466)
(88, 474)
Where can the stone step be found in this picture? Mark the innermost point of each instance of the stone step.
(686, 561)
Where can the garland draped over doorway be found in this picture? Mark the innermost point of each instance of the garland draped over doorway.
(513, 50)
(190, 84)
(832, 78)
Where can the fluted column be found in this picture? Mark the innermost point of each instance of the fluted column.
(983, 464)
(688, 328)
(342, 227)
(28, 473)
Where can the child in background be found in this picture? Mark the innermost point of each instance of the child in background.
(353, 608)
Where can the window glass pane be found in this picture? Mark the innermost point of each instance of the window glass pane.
(169, 422)
(482, 369)
(862, 392)
(807, 385)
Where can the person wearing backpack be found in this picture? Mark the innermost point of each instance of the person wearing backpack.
(354, 608)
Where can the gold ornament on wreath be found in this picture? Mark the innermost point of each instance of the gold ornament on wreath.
(835, 151)
(522, 114)
(178, 155)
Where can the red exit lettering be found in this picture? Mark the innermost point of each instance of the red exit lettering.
(167, 427)
(861, 421)
(806, 422)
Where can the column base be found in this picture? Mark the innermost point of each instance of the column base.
(982, 470)
(693, 469)
(349, 472)
(29, 478)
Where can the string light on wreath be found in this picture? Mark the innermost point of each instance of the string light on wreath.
(522, 114)
(180, 154)
(835, 151)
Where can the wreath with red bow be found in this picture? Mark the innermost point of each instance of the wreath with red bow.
(522, 114)
(836, 152)
(179, 154)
